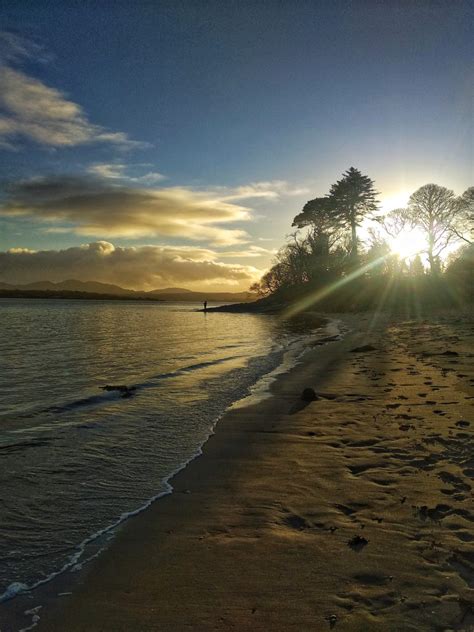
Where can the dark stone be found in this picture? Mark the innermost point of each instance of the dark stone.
(363, 349)
(309, 395)
(358, 542)
(450, 353)
(123, 389)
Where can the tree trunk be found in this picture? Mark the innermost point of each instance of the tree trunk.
(354, 248)
(431, 257)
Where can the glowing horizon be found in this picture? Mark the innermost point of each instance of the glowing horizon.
(182, 148)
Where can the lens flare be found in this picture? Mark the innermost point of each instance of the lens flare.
(408, 243)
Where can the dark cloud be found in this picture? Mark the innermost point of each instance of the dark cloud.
(101, 208)
(145, 267)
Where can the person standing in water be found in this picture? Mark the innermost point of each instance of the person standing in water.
(205, 306)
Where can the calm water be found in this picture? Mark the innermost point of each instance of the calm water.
(75, 459)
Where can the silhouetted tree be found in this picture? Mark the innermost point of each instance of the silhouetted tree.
(416, 267)
(316, 213)
(323, 250)
(460, 272)
(352, 199)
(319, 216)
(464, 226)
(394, 222)
(434, 210)
(379, 254)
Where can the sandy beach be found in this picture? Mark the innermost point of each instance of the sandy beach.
(351, 512)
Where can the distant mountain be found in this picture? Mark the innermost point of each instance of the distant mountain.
(72, 288)
(73, 285)
(170, 290)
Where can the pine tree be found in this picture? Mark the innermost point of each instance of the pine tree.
(352, 199)
(416, 267)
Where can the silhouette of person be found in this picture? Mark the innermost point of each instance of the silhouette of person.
(205, 306)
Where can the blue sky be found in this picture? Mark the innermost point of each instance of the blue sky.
(228, 115)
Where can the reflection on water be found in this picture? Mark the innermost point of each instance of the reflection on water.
(73, 457)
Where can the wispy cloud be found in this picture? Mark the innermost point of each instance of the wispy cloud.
(248, 253)
(109, 203)
(271, 189)
(118, 171)
(145, 267)
(113, 170)
(102, 208)
(29, 109)
(15, 48)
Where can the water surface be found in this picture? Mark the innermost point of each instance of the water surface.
(75, 459)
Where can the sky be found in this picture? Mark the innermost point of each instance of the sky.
(155, 144)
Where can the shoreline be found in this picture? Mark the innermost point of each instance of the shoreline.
(256, 532)
(16, 598)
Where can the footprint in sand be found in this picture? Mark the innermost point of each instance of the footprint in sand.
(434, 513)
(456, 481)
(296, 522)
(372, 579)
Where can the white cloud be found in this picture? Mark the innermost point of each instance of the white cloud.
(250, 252)
(107, 170)
(271, 189)
(117, 171)
(145, 267)
(32, 110)
(152, 177)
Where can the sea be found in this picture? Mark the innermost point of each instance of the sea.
(79, 456)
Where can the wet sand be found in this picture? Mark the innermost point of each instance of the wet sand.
(352, 512)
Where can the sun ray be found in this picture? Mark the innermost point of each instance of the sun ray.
(408, 243)
(314, 297)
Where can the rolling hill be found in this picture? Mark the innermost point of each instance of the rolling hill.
(72, 288)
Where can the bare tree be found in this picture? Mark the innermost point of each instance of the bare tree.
(434, 210)
(394, 223)
(463, 228)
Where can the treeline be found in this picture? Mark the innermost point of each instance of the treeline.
(346, 249)
(73, 295)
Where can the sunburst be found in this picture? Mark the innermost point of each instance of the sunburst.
(408, 243)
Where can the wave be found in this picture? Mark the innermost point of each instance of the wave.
(113, 394)
(258, 390)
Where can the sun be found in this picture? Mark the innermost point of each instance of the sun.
(408, 243)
